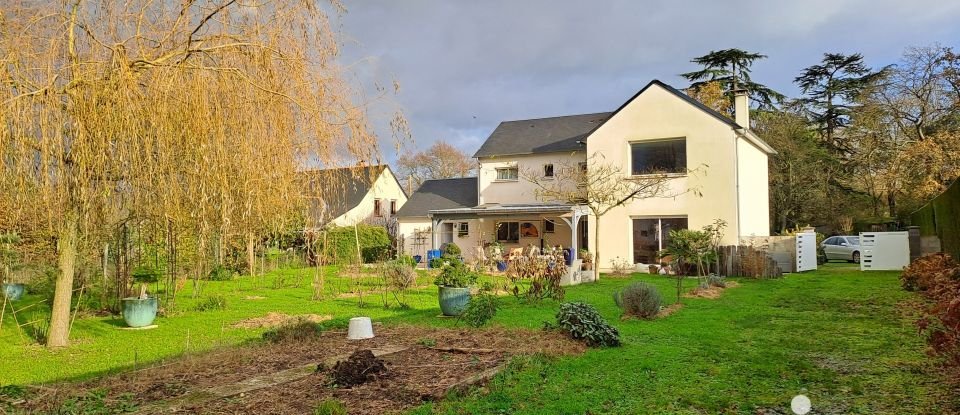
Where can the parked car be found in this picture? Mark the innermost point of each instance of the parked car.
(846, 248)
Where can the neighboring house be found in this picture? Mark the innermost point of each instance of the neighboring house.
(659, 128)
(351, 195)
(413, 219)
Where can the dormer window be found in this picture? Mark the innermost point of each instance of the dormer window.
(508, 174)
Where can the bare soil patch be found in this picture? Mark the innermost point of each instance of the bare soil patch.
(670, 309)
(278, 319)
(711, 292)
(415, 374)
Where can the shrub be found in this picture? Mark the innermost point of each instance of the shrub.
(330, 406)
(455, 274)
(937, 277)
(407, 259)
(400, 274)
(639, 300)
(582, 322)
(297, 331)
(717, 281)
(212, 303)
(621, 267)
(341, 244)
(452, 249)
(145, 274)
(438, 263)
(220, 273)
(537, 277)
(481, 308)
(921, 274)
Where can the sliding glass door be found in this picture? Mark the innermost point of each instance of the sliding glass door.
(650, 235)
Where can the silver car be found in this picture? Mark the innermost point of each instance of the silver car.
(846, 248)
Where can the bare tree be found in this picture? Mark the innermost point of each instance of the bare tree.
(440, 161)
(598, 185)
(196, 115)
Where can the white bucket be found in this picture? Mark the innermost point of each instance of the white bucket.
(360, 328)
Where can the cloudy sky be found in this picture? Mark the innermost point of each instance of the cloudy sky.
(464, 66)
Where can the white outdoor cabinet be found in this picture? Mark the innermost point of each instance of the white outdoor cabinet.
(884, 251)
(806, 251)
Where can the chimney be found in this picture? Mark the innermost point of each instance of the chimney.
(741, 107)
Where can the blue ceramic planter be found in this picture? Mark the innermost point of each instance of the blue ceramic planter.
(501, 266)
(13, 292)
(139, 312)
(418, 258)
(453, 300)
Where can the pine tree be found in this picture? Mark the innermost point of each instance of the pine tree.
(731, 68)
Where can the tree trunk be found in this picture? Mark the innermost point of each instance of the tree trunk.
(59, 333)
(596, 255)
(892, 204)
(251, 254)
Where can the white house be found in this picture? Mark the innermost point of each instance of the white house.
(351, 195)
(659, 128)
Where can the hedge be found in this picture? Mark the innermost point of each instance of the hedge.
(341, 244)
(941, 217)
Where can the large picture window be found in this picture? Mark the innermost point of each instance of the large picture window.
(661, 156)
(651, 235)
(508, 232)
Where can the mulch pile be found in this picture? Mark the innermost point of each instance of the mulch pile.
(425, 368)
(359, 368)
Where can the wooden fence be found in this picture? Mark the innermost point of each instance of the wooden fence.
(747, 261)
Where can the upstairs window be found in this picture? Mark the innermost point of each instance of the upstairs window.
(376, 208)
(393, 207)
(661, 156)
(548, 170)
(508, 174)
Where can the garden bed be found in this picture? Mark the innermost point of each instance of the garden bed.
(423, 364)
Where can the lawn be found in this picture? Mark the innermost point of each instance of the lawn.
(842, 337)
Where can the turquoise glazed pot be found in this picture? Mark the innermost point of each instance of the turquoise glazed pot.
(13, 292)
(139, 312)
(453, 300)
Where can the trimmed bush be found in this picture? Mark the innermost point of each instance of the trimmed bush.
(341, 244)
(941, 217)
(220, 273)
(582, 322)
(717, 281)
(639, 300)
(455, 274)
(451, 249)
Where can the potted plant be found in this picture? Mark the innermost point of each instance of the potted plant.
(587, 258)
(13, 288)
(496, 253)
(140, 311)
(454, 281)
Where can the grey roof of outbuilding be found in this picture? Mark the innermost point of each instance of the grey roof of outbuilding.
(541, 135)
(440, 194)
(338, 190)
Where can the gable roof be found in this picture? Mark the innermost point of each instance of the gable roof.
(440, 194)
(565, 133)
(541, 135)
(338, 190)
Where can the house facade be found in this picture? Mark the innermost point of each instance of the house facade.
(351, 195)
(717, 169)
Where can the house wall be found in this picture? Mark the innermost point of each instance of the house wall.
(406, 231)
(754, 189)
(483, 232)
(385, 188)
(519, 191)
(709, 193)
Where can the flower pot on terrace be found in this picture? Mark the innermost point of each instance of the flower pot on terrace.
(13, 292)
(501, 266)
(453, 300)
(418, 258)
(139, 312)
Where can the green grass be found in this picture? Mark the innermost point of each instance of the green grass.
(836, 335)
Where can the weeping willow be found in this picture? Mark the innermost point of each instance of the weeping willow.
(193, 115)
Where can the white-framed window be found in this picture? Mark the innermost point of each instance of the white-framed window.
(508, 232)
(548, 170)
(549, 226)
(463, 229)
(658, 156)
(510, 174)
